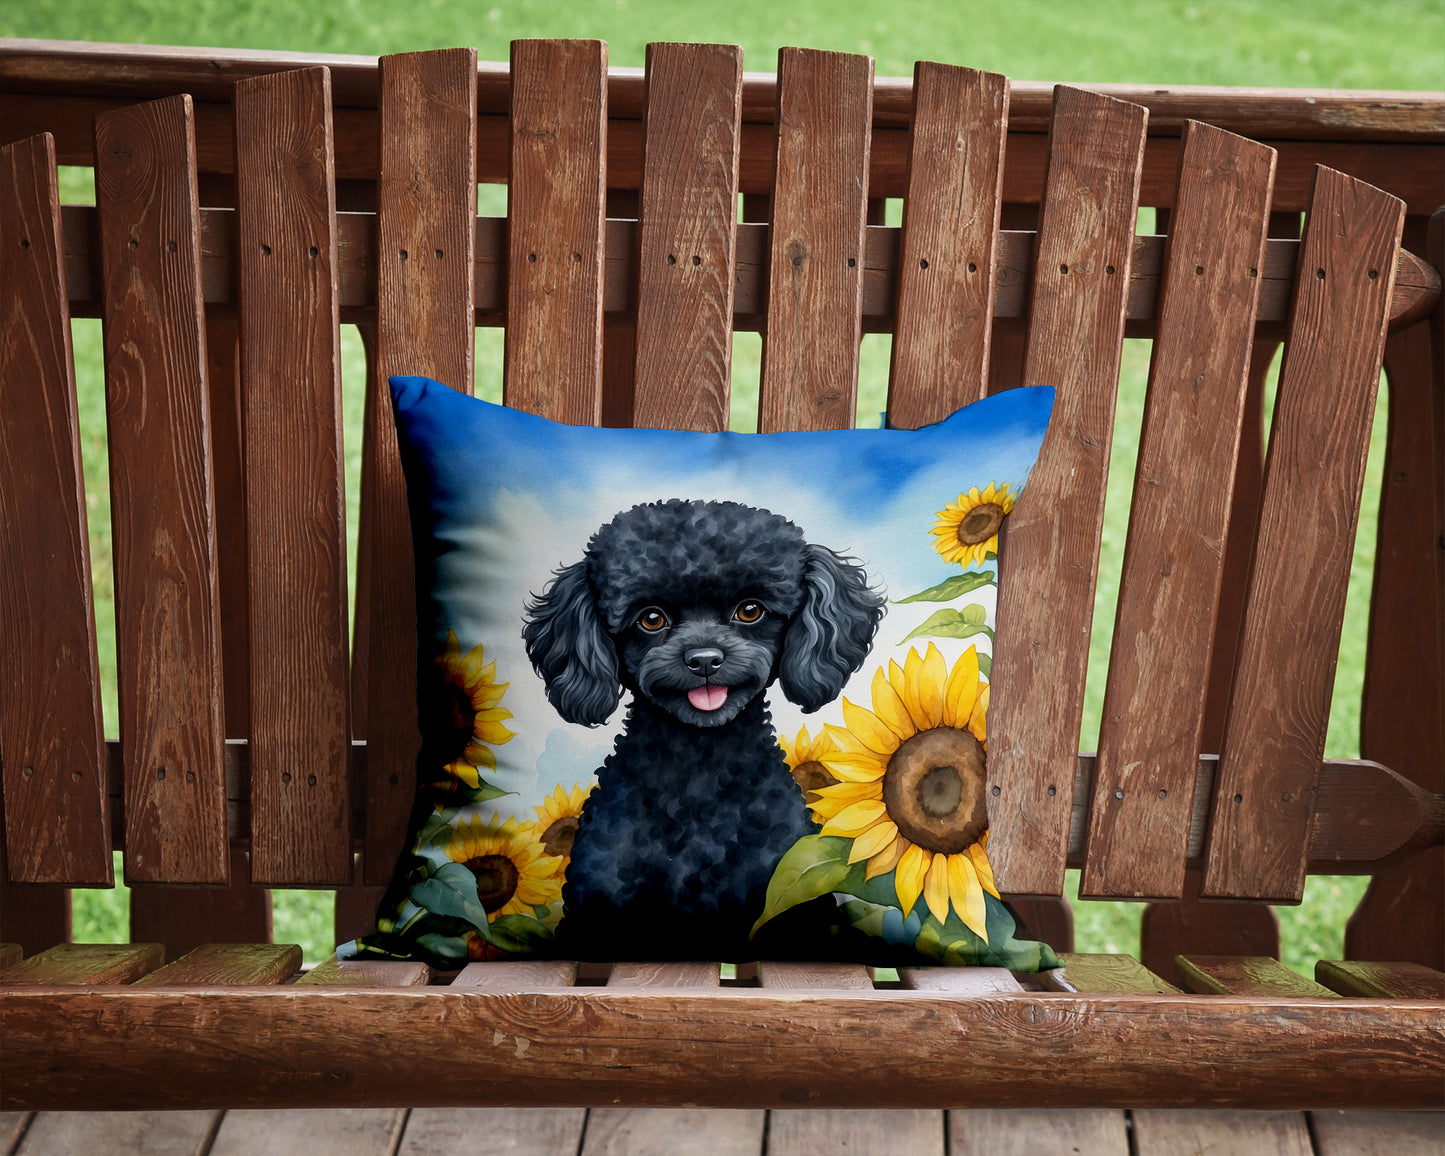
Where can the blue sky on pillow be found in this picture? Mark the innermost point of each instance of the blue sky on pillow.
(503, 503)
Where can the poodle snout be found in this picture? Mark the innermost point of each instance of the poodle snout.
(703, 661)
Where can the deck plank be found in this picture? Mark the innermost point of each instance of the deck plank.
(1381, 980)
(1169, 1132)
(856, 1131)
(1343, 1133)
(228, 963)
(515, 1131)
(368, 973)
(674, 1132)
(1028, 1131)
(312, 1131)
(815, 976)
(127, 1133)
(86, 963)
(1243, 975)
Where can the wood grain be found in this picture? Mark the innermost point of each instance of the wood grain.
(295, 498)
(1153, 716)
(674, 1132)
(517, 975)
(294, 1046)
(947, 267)
(816, 258)
(1340, 1133)
(687, 237)
(515, 1131)
(1190, 925)
(785, 975)
(555, 206)
(147, 1133)
(668, 975)
(1382, 980)
(353, 1131)
(959, 980)
(335, 972)
(182, 917)
(426, 215)
(1030, 1131)
(1076, 331)
(1095, 972)
(13, 1126)
(84, 964)
(1242, 975)
(228, 963)
(876, 1131)
(34, 915)
(57, 825)
(167, 617)
(1279, 709)
(1168, 1132)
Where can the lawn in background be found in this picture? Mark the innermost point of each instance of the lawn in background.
(1385, 44)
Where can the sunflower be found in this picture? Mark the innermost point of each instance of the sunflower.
(557, 822)
(464, 707)
(802, 756)
(910, 791)
(513, 873)
(967, 530)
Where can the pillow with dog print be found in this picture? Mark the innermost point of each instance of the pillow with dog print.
(703, 696)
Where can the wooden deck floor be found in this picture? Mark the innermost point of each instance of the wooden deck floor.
(703, 1132)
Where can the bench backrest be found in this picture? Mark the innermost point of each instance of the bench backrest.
(243, 692)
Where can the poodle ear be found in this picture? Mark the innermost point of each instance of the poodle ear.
(571, 650)
(833, 630)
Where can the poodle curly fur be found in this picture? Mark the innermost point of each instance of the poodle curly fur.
(695, 608)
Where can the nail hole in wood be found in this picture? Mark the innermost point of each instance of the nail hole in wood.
(995, 792)
(672, 259)
(577, 257)
(395, 779)
(1254, 272)
(1118, 793)
(310, 780)
(286, 776)
(1319, 274)
(133, 243)
(852, 262)
(696, 260)
(437, 253)
(1199, 270)
(1239, 798)
(1374, 273)
(190, 776)
(76, 776)
(28, 772)
(1109, 269)
(1053, 791)
(313, 251)
(923, 264)
(265, 250)
(160, 774)
(532, 257)
(170, 246)
(25, 242)
(972, 268)
(1063, 268)
(1163, 794)
(404, 254)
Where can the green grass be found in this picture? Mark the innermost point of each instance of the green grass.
(1305, 43)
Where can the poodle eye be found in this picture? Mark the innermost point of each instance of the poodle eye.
(652, 620)
(749, 611)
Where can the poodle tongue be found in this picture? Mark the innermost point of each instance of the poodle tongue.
(707, 697)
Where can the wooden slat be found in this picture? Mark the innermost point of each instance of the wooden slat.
(814, 976)
(228, 963)
(367, 973)
(426, 213)
(687, 236)
(353, 1131)
(167, 619)
(674, 1132)
(85, 963)
(183, 918)
(1169, 1132)
(1242, 975)
(1275, 732)
(555, 205)
(1154, 701)
(816, 259)
(664, 975)
(1342, 1133)
(57, 827)
(10, 953)
(1081, 276)
(355, 911)
(896, 1049)
(959, 980)
(1382, 980)
(515, 1131)
(876, 1131)
(295, 499)
(34, 915)
(947, 268)
(1188, 925)
(517, 975)
(151, 1133)
(1030, 1131)
(1097, 972)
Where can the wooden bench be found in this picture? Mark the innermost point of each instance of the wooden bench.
(247, 204)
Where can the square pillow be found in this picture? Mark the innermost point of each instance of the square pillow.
(703, 696)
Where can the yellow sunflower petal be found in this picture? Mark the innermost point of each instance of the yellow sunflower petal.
(480, 755)
(463, 770)
(912, 868)
(850, 791)
(935, 887)
(889, 708)
(492, 732)
(869, 729)
(856, 818)
(855, 768)
(983, 867)
(844, 740)
(962, 689)
(887, 859)
(978, 718)
(877, 838)
(935, 676)
(967, 895)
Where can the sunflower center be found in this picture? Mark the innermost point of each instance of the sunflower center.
(980, 524)
(812, 776)
(557, 838)
(496, 877)
(449, 715)
(934, 790)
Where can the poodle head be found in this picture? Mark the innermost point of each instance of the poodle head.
(697, 606)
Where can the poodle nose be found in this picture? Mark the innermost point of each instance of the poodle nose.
(703, 660)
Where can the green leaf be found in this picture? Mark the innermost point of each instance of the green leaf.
(951, 588)
(866, 917)
(811, 867)
(519, 934)
(950, 623)
(985, 664)
(451, 891)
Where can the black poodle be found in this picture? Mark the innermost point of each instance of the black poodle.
(695, 607)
